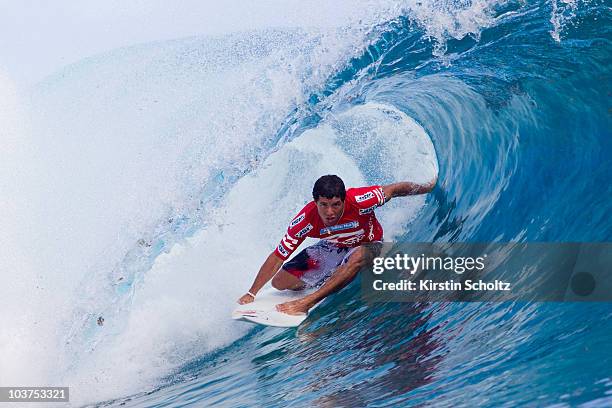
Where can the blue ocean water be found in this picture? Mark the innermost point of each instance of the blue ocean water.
(518, 110)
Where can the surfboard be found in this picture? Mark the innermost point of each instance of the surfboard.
(263, 309)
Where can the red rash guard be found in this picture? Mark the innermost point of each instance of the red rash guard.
(357, 225)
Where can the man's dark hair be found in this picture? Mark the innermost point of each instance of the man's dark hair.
(329, 186)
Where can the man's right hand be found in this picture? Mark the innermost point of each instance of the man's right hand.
(246, 298)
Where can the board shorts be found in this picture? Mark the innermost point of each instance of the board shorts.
(314, 264)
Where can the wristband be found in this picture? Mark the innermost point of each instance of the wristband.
(251, 293)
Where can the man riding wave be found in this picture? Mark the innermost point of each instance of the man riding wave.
(345, 221)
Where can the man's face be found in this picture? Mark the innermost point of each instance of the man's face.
(330, 210)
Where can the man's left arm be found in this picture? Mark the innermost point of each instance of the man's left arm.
(407, 188)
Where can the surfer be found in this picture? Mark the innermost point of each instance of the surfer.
(345, 222)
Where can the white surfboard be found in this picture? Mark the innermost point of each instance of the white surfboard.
(263, 309)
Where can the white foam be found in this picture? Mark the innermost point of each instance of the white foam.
(23, 354)
(562, 16)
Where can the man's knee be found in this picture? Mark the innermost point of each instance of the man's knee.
(361, 257)
(357, 259)
(284, 280)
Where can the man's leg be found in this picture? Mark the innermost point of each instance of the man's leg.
(356, 259)
(338, 279)
(306, 267)
(344, 274)
(284, 280)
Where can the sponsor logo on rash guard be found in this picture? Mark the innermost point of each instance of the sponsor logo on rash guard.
(282, 250)
(297, 220)
(364, 197)
(334, 228)
(368, 210)
(371, 234)
(348, 238)
(304, 231)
